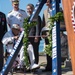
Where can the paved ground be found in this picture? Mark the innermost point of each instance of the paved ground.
(65, 71)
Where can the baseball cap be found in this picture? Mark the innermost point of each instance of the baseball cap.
(45, 29)
(15, 26)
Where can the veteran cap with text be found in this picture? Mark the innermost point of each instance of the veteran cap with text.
(15, 26)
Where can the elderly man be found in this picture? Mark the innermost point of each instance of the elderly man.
(10, 38)
(64, 46)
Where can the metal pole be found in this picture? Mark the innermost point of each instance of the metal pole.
(56, 52)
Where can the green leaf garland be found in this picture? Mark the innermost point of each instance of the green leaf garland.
(57, 17)
(27, 26)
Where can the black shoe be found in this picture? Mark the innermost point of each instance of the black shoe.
(28, 71)
(15, 69)
(47, 70)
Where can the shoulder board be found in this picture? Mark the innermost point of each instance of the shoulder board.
(10, 11)
(22, 10)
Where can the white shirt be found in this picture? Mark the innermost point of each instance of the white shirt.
(16, 17)
(8, 37)
(9, 41)
(50, 11)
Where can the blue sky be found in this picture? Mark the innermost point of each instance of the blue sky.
(6, 5)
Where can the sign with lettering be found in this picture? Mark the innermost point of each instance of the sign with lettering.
(56, 52)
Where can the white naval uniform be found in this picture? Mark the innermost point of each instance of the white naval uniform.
(8, 37)
(16, 17)
(9, 41)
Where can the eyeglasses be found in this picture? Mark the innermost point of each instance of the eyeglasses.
(16, 29)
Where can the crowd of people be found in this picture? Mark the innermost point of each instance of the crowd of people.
(14, 20)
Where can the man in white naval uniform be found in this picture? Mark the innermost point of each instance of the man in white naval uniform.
(10, 39)
(17, 15)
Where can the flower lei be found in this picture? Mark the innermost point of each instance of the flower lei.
(57, 17)
(26, 26)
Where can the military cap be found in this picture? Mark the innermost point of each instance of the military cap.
(15, 1)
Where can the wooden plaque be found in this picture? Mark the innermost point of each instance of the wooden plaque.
(69, 16)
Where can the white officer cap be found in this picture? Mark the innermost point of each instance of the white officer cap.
(15, 26)
(45, 29)
(15, 1)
